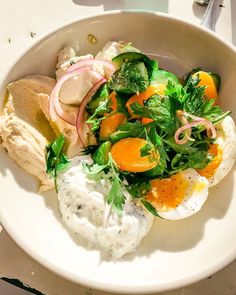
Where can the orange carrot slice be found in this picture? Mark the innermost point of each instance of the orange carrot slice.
(207, 80)
(113, 101)
(110, 124)
(146, 121)
(126, 154)
(141, 97)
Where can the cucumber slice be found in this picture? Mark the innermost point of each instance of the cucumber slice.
(217, 80)
(162, 77)
(99, 97)
(122, 58)
(131, 78)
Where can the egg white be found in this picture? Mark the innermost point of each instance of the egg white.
(195, 196)
(226, 138)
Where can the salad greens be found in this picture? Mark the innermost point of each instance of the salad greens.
(155, 119)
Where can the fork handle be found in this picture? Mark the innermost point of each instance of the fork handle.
(209, 18)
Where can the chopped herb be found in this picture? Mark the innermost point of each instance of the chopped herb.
(132, 77)
(109, 171)
(56, 159)
(150, 208)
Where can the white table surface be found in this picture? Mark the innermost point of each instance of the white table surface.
(22, 22)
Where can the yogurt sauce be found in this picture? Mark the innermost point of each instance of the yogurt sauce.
(84, 210)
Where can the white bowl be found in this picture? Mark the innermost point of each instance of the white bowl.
(174, 253)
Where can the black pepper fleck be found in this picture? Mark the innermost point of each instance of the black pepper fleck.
(32, 34)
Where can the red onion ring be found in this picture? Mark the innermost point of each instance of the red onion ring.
(92, 61)
(55, 106)
(203, 121)
(81, 120)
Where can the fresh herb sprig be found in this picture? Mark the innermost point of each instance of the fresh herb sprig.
(56, 160)
(109, 171)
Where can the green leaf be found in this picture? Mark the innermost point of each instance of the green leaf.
(101, 96)
(128, 129)
(180, 148)
(156, 140)
(92, 171)
(116, 198)
(101, 155)
(196, 104)
(57, 145)
(138, 186)
(56, 160)
(150, 208)
(200, 159)
(95, 119)
(146, 150)
(63, 163)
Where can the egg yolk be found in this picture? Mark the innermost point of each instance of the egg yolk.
(167, 193)
(211, 168)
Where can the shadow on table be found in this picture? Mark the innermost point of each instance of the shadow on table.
(233, 21)
(156, 5)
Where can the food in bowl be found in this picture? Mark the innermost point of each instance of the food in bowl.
(122, 141)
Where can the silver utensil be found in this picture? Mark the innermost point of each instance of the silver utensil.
(210, 16)
(202, 2)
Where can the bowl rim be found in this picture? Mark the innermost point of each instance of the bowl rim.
(96, 284)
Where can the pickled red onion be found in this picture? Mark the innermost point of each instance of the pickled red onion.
(81, 120)
(55, 106)
(92, 61)
(198, 121)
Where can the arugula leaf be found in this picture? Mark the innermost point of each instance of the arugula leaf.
(150, 208)
(56, 160)
(131, 78)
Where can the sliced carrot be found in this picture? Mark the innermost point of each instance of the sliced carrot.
(146, 121)
(141, 97)
(113, 101)
(110, 124)
(126, 154)
(207, 80)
